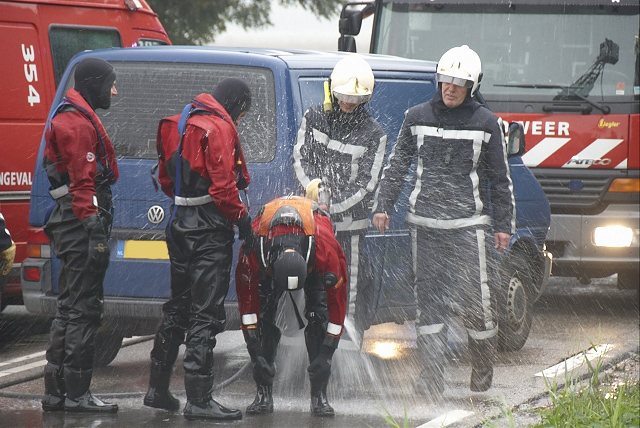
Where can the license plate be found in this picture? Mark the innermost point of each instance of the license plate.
(150, 250)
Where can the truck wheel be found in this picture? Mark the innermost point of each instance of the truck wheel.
(107, 345)
(628, 279)
(515, 304)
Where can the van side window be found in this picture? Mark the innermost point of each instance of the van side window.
(148, 92)
(66, 41)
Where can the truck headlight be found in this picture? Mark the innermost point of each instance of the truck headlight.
(613, 236)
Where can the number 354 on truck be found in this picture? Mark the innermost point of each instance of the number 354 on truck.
(39, 37)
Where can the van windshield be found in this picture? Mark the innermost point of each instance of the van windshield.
(523, 47)
(147, 93)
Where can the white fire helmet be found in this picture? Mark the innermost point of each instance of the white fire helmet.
(352, 80)
(460, 66)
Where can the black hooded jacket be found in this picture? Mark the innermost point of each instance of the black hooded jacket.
(93, 80)
(461, 168)
(346, 151)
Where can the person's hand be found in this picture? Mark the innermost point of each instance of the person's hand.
(313, 189)
(246, 233)
(501, 241)
(6, 259)
(320, 368)
(98, 252)
(381, 222)
(263, 372)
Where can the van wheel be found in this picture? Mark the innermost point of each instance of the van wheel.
(515, 304)
(107, 346)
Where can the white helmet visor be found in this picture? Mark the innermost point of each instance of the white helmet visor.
(352, 99)
(465, 83)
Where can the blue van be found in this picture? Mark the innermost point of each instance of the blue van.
(156, 82)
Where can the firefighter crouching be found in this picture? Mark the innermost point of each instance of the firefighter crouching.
(296, 250)
(202, 167)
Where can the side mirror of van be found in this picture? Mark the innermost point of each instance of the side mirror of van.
(516, 145)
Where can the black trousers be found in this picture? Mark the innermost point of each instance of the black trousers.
(315, 312)
(455, 269)
(199, 239)
(80, 298)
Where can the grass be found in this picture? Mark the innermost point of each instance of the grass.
(594, 403)
(598, 401)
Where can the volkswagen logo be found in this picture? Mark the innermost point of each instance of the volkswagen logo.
(155, 214)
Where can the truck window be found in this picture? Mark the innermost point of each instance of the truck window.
(551, 45)
(66, 41)
(147, 93)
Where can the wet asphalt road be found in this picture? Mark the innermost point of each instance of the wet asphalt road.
(569, 319)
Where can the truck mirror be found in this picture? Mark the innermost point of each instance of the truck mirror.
(350, 22)
(352, 15)
(347, 44)
(516, 145)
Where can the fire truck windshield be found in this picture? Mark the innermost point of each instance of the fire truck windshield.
(527, 50)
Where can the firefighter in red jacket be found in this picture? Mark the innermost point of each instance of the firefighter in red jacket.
(202, 168)
(80, 163)
(296, 249)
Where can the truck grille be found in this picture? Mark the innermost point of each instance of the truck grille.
(575, 191)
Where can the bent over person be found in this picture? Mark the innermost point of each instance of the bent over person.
(341, 147)
(296, 250)
(202, 168)
(81, 166)
(461, 207)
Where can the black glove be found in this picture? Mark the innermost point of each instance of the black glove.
(320, 368)
(245, 232)
(98, 256)
(263, 372)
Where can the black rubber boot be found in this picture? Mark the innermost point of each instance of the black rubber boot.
(79, 398)
(319, 404)
(200, 405)
(158, 395)
(263, 403)
(54, 389)
(482, 354)
(209, 408)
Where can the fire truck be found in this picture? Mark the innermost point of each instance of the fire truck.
(569, 72)
(39, 37)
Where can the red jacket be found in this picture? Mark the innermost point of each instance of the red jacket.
(211, 148)
(73, 150)
(329, 257)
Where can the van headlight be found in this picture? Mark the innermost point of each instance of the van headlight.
(614, 236)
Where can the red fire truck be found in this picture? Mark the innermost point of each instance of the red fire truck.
(569, 71)
(38, 39)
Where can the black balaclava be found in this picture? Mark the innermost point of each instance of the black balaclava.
(234, 95)
(93, 80)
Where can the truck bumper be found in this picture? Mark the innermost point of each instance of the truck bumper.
(575, 253)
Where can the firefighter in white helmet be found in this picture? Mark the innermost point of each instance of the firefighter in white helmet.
(461, 211)
(338, 159)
